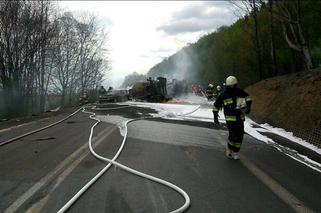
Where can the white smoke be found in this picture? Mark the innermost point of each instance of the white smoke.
(114, 81)
(183, 63)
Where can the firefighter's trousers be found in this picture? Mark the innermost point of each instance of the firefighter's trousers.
(236, 133)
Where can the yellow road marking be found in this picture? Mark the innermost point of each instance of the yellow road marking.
(23, 124)
(45, 180)
(286, 196)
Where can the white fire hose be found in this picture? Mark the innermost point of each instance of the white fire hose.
(40, 129)
(128, 169)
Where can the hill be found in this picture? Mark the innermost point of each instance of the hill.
(292, 102)
(262, 44)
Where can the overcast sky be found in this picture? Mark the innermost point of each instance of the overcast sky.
(142, 33)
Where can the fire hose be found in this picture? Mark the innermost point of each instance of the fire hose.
(38, 130)
(128, 169)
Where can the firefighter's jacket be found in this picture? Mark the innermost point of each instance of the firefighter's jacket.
(209, 91)
(217, 92)
(102, 91)
(228, 100)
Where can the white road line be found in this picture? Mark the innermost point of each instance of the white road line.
(104, 109)
(38, 130)
(286, 196)
(21, 125)
(45, 180)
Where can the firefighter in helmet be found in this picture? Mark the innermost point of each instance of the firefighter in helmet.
(102, 90)
(109, 89)
(210, 92)
(218, 91)
(236, 102)
(84, 98)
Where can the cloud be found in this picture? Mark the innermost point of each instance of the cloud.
(106, 21)
(156, 56)
(218, 4)
(206, 16)
(162, 50)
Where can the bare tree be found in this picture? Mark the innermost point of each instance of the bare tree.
(41, 50)
(42, 67)
(65, 54)
(271, 27)
(79, 54)
(19, 44)
(92, 40)
(289, 13)
(251, 7)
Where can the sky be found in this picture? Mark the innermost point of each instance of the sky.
(143, 33)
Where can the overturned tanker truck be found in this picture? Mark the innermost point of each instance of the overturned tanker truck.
(150, 90)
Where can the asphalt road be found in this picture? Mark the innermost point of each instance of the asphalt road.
(41, 172)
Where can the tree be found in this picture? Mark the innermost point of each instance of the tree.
(251, 7)
(21, 44)
(271, 27)
(65, 53)
(40, 51)
(289, 13)
(79, 55)
(91, 41)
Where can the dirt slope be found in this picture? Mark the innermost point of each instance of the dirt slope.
(292, 102)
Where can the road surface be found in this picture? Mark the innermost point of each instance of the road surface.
(41, 172)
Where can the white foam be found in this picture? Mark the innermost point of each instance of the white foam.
(114, 119)
(205, 114)
(290, 136)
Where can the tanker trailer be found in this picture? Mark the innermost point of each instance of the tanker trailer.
(150, 90)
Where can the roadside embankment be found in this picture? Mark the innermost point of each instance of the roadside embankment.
(291, 102)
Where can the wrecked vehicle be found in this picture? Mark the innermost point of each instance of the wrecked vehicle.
(177, 88)
(150, 90)
(113, 96)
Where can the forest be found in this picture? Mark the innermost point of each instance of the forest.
(48, 57)
(270, 38)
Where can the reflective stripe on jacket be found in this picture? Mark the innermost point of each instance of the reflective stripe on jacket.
(227, 100)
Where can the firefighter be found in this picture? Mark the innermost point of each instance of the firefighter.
(209, 92)
(199, 90)
(218, 91)
(101, 90)
(193, 89)
(83, 99)
(235, 102)
(109, 89)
